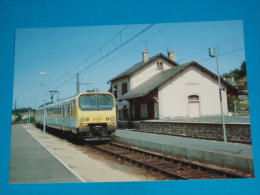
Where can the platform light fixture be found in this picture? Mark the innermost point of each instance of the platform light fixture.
(44, 110)
(213, 52)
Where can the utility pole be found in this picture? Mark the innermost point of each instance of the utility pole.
(78, 83)
(29, 110)
(15, 107)
(213, 52)
(44, 106)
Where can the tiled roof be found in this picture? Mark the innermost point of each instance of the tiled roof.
(231, 82)
(153, 82)
(242, 97)
(139, 65)
(161, 78)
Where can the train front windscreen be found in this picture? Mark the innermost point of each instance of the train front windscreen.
(96, 102)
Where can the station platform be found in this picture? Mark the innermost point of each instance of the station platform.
(32, 163)
(229, 155)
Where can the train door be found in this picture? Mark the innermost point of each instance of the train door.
(68, 115)
(63, 116)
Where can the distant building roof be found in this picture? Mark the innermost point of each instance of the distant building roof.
(139, 65)
(242, 97)
(231, 81)
(161, 78)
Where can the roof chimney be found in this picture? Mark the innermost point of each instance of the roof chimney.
(171, 55)
(145, 56)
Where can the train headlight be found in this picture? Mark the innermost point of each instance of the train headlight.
(107, 118)
(82, 120)
(87, 119)
(112, 118)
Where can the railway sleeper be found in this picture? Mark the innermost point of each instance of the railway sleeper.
(144, 162)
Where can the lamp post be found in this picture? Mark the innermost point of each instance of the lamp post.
(27, 113)
(44, 110)
(213, 52)
(29, 110)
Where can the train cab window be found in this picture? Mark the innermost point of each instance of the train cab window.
(96, 102)
(87, 101)
(105, 101)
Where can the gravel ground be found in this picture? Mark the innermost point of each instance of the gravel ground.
(88, 166)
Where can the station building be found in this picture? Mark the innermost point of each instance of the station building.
(160, 88)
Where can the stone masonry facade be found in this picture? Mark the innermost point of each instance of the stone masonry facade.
(213, 131)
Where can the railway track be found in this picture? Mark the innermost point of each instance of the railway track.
(173, 169)
(169, 168)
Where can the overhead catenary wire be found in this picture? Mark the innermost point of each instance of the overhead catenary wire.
(182, 58)
(129, 40)
(117, 48)
(185, 57)
(99, 50)
(138, 44)
(214, 46)
(122, 43)
(223, 54)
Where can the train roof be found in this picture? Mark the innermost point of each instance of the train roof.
(50, 104)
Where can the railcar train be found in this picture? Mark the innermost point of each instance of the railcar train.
(91, 116)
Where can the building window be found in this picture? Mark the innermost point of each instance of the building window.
(124, 88)
(193, 98)
(68, 106)
(115, 91)
(160, 65)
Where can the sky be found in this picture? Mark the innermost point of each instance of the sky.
(99, 53)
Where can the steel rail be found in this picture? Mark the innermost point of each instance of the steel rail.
(195, 166)
(141, 164)
(204, 169)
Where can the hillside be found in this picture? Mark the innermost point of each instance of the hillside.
(238, 103)
(242, 83)
(239, 75)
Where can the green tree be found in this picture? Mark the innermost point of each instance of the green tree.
(242, 71)
(236, 74)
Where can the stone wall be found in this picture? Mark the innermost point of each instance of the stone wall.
(128, 124)
(235, 132)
